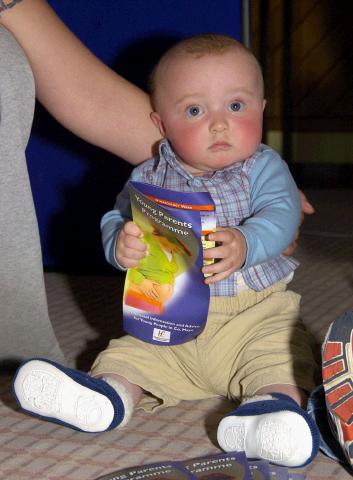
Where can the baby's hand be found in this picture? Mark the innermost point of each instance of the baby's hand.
(129, 247)
(231, 254)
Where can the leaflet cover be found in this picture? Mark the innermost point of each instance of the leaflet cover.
(296, 476)
(153, 471)
(259, 469)
(278, 473)
(263, 470)
(165, 297)
(224, 466)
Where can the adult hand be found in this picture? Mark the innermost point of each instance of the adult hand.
(307, 209)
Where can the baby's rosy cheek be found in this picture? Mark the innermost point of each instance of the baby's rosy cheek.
(251, 132)
(252, 128)
(188, 139)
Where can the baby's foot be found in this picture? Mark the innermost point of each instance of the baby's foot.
(271, 427)
(69, 397)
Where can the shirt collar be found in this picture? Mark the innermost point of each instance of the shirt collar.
(166, 154)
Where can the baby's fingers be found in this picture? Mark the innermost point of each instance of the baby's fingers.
(216, 277)
(130, 228)
(128, 262)
(132, 242)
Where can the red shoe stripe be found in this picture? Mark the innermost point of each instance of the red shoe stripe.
(345, 410)
(332, 370)
(338, 393)
(332, 350)
(347, 431)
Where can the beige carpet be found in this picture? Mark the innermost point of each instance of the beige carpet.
(86, 312)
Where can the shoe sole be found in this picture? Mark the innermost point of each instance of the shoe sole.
(47, 392)
(337, 374)
(277, 437)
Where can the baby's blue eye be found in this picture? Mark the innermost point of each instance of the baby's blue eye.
(235, 106)
(194, 111)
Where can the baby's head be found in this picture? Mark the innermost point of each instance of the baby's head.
(208, 98)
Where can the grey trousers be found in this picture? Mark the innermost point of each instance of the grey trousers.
(25, 327)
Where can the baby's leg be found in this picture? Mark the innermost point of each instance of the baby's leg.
(129, 393)
(272, 362)
(297, 394)
(74, 399)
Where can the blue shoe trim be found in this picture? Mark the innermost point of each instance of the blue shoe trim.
(341, 328)
(87, 381)
(329, 444)
(281, 403)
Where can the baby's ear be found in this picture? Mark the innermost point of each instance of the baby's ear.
(156, 119)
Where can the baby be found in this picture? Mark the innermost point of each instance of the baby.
(208, 98)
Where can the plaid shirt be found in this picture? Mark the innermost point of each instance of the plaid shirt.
(230, 191)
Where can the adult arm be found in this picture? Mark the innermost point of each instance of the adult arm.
(82, 93)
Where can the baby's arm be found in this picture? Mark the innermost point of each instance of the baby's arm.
(271, 226)
(275, 212)
(122, 244)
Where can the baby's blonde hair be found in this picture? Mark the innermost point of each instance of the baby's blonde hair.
(197, 46)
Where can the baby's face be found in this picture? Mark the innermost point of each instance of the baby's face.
(211, 109)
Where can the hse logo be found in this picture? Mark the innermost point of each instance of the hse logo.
(161, 335)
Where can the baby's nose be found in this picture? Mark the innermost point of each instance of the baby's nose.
(218, 125)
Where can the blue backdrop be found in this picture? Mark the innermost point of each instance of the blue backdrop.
(71, 179)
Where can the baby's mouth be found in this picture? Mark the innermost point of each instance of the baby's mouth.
(220, 146)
